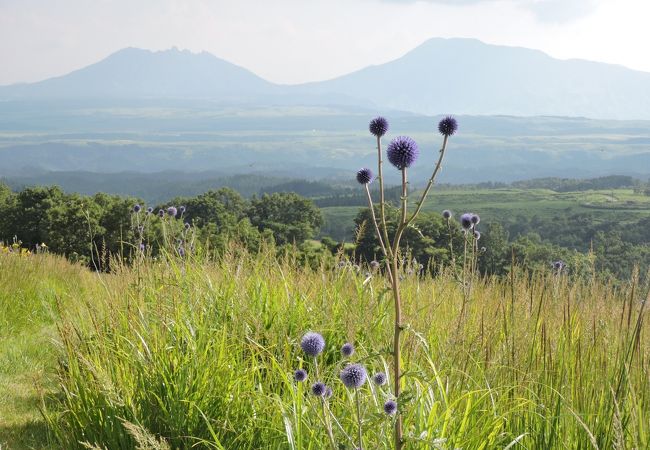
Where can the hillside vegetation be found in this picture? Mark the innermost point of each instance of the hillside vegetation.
(183, 352)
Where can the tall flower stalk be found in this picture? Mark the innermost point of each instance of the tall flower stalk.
(402, 152)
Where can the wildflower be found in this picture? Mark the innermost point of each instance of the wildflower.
(312, 343)
(353, 375)
(379, 378)
(475, 219)
(300, 375)
(390, 407)
(374, 265)
(446, 214)
(149, 210)
(402, 152)
(378, 126)
(347, 349)
(181, 252)
(466, 221)
(187, 226)
(136, 208)
(172, 211)
(477, 235)
(142, 247)
(448, 126)
(559, 265)
(181, 209)
(364, 176)
(161, 212)
(318, 389)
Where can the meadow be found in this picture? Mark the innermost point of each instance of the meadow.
(196, 352)
(505, 204)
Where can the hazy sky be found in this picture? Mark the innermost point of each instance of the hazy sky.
(292, 41)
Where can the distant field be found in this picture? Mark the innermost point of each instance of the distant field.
(500, 204)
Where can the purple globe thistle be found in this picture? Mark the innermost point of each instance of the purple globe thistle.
(559, 265)
(390, 407)
(374, 265)
(318, 389)
(364, 176)
(353, 376)
(477, 235)
(328, 392)
(475, 219)
(379, 378)
(448, 126)
(172, 211)
(137, 208)
(402, 152)
(312, 343)
(466, 221)
(181, 252)
(181, 209)
(187, 226)
(347, 349)
(161, 212)
(142, 247)
(378, 126)
(446, 214)
(149, 210)
(300, 375)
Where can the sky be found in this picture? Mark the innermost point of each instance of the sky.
(293, 41)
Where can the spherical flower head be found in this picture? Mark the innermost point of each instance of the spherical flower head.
(448, 126)
(475, 219)
(466, 221)
(347, 349)
(353, 376)
(181, 209)
(312, 344)
(318, 389)
(172, 211)
(374, 265)
(379, 378)
(477, 235)
(137, 208)
(161, 212)
(181, 252)
(142, 247)
(378, 126)
(390, 407)
(300, 375)
(149, 210)
(187, 226)
(402, 152)
(446, 214)
(364, 176)
(558, 265)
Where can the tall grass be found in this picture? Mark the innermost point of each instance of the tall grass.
(194, 353)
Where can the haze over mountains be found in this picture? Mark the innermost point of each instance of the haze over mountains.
(460, 76)
(174, 111)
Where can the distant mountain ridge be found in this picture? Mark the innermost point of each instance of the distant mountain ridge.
(460, 76)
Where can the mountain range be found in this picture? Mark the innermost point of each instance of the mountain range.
(459, 76)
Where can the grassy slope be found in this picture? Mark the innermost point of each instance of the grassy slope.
(205, 351)
(495, 204)
(30, 291)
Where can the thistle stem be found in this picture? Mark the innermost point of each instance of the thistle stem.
(431, 181)
(382, 198)
(374, 221)
(326, 417)
(398, 309)
(356, 396)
